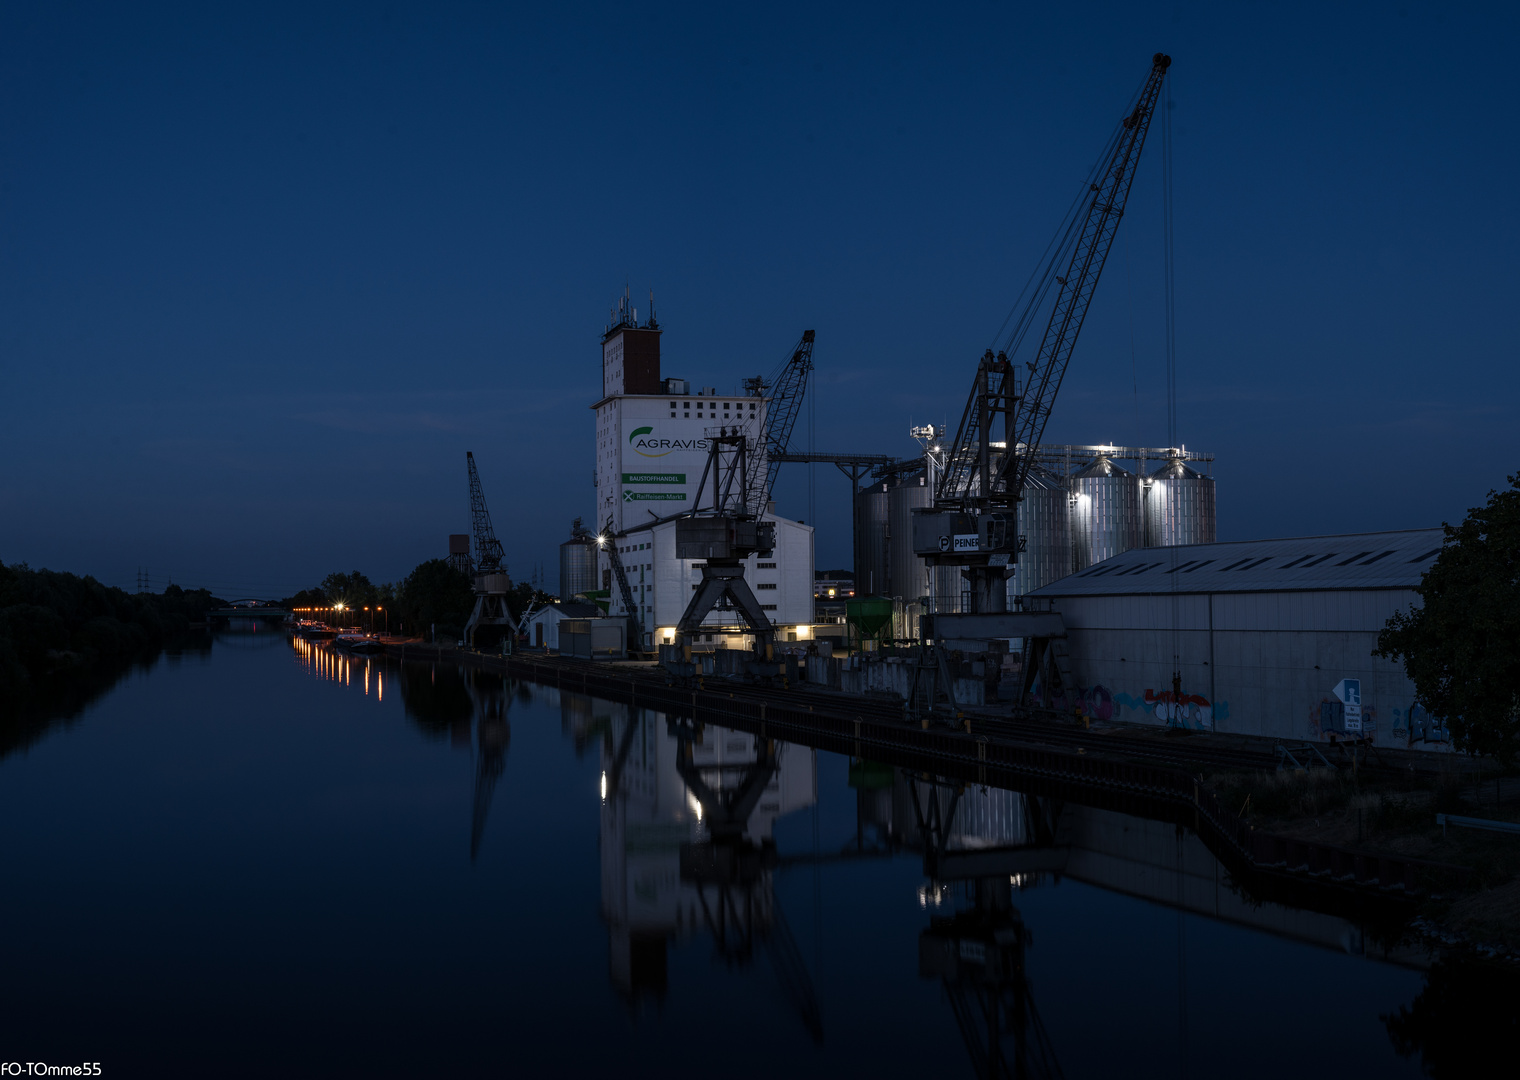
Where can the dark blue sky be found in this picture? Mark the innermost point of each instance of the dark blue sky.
(266, 274)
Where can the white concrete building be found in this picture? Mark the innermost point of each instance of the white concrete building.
(663, 584)
(1266, 633)
(651, 450)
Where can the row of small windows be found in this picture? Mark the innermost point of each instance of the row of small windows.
(712, 410)
(712, 406)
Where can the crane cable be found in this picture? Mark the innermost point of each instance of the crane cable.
(1169, 509)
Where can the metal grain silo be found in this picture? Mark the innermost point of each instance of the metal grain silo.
(1179, 506)
(871, 558)
(1105, 516)
(1045, 524)
(577, 566)
(906, 573)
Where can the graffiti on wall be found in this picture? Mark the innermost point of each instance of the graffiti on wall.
(1189, 710)
(1098, 702)
(1415, 726)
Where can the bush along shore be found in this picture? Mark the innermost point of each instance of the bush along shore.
(1390, 812)
(61, 628)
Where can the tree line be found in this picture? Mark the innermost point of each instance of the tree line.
(54, 623)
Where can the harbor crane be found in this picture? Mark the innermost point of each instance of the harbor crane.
(491, 580)
(488, 552)
(723, 533)
(973, 521)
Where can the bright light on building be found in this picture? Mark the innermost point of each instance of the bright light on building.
(604, 787)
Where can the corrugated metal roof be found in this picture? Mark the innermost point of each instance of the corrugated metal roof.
(1383, 560)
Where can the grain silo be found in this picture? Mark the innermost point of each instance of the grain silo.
(1105, 513)
(871, 558)
(906, 573)
(1179, 506)
(1045, 524)
(577, 563)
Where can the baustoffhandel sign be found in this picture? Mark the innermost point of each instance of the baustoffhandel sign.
(654, 496)
(654, 478)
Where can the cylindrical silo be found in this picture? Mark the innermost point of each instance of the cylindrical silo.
(906, 576)
(871, 540)
(577, 566)
(1105, 513)
(1179, 506)
(1045, 524)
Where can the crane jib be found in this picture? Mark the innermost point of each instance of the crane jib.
(980, 477)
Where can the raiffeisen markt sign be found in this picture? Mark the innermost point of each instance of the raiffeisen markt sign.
(645, 442)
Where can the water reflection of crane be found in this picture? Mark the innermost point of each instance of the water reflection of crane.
(687, 847)
(981, 844)
(491, 697)
(738, 871)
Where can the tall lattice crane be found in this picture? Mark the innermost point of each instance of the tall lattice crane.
(786, 386)
(488, 552)
(490, 570)
(972, 523)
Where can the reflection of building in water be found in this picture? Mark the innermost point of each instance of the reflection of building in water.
(980, 845)
(687, 848)
(1031, 839)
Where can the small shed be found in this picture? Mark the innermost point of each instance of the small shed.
(542, 626)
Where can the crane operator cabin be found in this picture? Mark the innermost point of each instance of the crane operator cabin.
(651, 450)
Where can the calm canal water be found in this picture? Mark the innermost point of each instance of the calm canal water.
(261, 860)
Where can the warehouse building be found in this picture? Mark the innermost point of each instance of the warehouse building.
(1272, 637)
(651, 451)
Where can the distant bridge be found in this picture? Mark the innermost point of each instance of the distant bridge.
(248, 609)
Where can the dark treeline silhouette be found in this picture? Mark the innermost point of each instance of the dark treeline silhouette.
(56, 626)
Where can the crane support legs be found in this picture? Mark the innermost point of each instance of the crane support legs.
(720, 579)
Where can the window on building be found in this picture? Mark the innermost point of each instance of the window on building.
(767, 607)
(765, 566)
(766, 585)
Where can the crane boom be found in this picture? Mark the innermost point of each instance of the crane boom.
(787, 387)
(488, 552)
(625, 590)
(975, 476)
